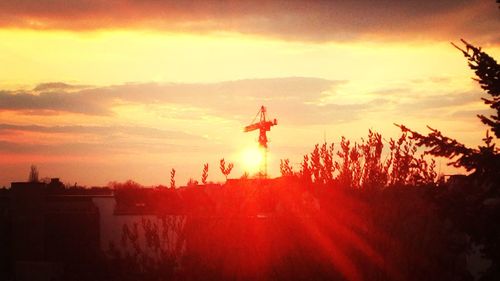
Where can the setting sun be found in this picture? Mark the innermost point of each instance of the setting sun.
(252, 158)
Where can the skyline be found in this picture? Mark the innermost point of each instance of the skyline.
(95, 93)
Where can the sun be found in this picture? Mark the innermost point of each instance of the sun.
(252, 159)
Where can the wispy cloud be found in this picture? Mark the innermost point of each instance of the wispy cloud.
(61, 100)
(298, 100)
(92, 140)
(234, 99)
(55, 86)
(99, 130)
(90, 148)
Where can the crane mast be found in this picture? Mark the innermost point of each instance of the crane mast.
(263, 126)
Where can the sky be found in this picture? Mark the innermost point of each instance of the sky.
(99, 90)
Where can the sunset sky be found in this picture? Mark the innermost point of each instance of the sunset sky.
(101, 90)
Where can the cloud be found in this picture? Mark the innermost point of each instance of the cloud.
(79, 102)
(88, 148)
(409, 100)
(424, 102)
(296, 100)
(293, 97)
(51, 86)
(291, 20)
(471, 114)
(444, 100)
(93, 140)
(99, 130)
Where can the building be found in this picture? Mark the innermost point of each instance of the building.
(48, 228)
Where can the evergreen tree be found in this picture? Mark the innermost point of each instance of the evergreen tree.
(484, 160)
(487, 73)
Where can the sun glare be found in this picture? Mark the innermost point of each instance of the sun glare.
(252, 158)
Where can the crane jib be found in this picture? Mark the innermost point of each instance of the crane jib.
(260, 126)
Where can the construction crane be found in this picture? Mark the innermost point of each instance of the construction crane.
(263, 126)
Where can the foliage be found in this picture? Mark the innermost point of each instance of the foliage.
(285, 168)
(364, 166)
(486, 158)
(245, 176)
(129, 184)
(349, 168)
(406, 168)
(225, 170)
(487, 72)
(192, 182)
(373, 171)
(305, 169)
(33, 176)
(277, 230)
(149, 252)
(172, 178)
(204, 174)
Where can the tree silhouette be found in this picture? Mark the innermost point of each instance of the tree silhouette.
(371, 150)
(363, 166)
(192, 182)
(486, 158)
(305, 169)
(149, 250)
(316, 163)
(204, 175)
(285, 168)
(172, 178)
(225, 170)
(345, 169)
(487, 72)
(33, 176)
(327, 165)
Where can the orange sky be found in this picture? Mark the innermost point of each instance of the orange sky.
(95, 91)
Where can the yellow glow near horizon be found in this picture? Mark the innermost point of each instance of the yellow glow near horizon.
(251, 159)
(119, 56)
(403, 72)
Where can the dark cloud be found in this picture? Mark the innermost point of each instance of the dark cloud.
(297, 20)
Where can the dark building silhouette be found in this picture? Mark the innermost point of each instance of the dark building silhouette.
(5, 245)
(47, 228)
